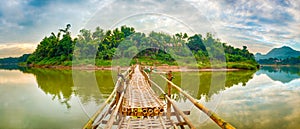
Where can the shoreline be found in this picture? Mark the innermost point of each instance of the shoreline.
(276, 65)
(159, 68)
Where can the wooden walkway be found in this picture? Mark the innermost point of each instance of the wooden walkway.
(139, 98)
(137, 106)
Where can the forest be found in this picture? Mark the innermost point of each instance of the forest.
(14, 60)
(104, 45)
(275, 61)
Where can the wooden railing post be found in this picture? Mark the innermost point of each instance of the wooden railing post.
(119, 70)
(169, 77)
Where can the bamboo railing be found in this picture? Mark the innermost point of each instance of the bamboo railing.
(89, 124)
(114, 111)
(220, 122)
(186, 119)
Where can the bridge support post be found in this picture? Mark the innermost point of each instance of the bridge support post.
(169, 77)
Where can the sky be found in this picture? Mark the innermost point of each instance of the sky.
(258, 24)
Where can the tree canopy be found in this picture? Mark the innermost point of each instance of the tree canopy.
(104, 45)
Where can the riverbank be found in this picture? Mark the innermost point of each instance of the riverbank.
(278, 65)
(163, 68)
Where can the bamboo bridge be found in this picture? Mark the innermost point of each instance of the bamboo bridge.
(137, 106)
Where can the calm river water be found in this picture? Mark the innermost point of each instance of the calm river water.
(61, 99)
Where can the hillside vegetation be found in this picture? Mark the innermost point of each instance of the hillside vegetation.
(279, 53)
(279, 56)
(61, 48)
(14, 60)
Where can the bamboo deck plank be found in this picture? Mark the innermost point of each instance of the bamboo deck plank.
(140, 99)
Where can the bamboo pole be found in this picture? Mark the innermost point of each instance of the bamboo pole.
(114, 113)
(89, 124)
(178, 118)
(169, 76)
(186, 119)
(223, 124)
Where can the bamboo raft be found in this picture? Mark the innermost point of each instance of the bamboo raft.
(136, 106)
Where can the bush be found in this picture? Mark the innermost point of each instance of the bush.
(240, 65)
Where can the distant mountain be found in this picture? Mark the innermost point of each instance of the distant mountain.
(279, 53)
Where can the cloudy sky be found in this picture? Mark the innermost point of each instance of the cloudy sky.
(261, 25)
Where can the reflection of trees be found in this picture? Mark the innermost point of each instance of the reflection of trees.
(93, 85)
(13, 67)
(210, 82)
(57, 83)
(285, 69)
(283, 74)
(60, 84)
(105, 82)
(234, 78)
(207, 89)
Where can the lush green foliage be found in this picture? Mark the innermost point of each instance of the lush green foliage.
(14, 60)
(279, 53)
(54, 50)
(287, 61)
(156, 48)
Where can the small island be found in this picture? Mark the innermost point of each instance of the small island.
(101, 46)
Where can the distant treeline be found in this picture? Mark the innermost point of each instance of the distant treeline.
(61, 48)
(14, 60)
(287, 61)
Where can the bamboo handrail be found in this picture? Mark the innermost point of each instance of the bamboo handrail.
(114, 113)
(223, 124)
(186, 119)
(89, 124)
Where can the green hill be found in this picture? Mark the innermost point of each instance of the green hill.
(279, 53)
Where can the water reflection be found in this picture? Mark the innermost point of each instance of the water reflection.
(263, 103)
(62, 84)
(24, 104)
(257, 100)
(94, 86)
(13, 67)
(283, 74)
(57, 83)
(210, 82)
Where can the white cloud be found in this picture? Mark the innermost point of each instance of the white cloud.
(269, 22)
(262, 23)
(16, 49)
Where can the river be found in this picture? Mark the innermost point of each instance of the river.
(54, 99)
